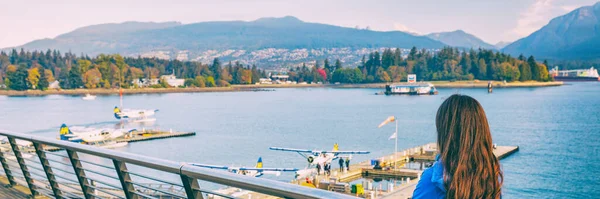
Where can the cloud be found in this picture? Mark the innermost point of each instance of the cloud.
(569, 8)
(534, 17)
(540, 13)
(404, 28)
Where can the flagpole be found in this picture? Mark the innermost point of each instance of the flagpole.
(396, 147)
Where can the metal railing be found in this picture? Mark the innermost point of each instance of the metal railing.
(83, 171)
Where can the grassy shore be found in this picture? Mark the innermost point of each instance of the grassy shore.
(438, 84)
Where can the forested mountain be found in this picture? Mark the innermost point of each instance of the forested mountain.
(574, 36)
(459, 38)
(134, 38)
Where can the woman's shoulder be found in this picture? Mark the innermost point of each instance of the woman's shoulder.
(428, 185)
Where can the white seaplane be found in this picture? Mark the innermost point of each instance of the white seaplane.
(137, 115)
(256, 171)
(318, 157)
(97, 137)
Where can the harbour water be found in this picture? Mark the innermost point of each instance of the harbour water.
(557, 128)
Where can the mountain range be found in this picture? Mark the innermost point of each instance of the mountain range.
(280, 33)
(573, 36)
(459, 38)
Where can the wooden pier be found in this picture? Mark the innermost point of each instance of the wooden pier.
(152, 135)
(133, 137)
(393, 166)
(405, 191)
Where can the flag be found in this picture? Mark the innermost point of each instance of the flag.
(387, 121)
(393, 136)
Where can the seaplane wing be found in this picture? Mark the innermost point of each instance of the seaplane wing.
(269, 169)
(244, 168)
(291, 150)
(347, 152)
(211, 166)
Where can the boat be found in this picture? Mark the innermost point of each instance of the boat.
(411, 87)
(575, 75)
(89, 97)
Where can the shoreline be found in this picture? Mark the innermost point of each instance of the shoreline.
(261, 87)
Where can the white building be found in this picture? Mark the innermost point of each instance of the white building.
(265, 81)
(54, 85)
(172, 80)
(143, 82)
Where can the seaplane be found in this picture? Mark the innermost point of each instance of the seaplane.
(138, 115)
(256, 171)
(318, 157)
(99, 137)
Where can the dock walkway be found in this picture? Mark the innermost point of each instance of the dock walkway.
(405, 191)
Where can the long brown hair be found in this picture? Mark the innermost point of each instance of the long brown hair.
(470, 168)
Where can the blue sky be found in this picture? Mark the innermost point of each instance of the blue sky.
(492, 21)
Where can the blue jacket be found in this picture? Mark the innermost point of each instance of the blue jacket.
(431, 184)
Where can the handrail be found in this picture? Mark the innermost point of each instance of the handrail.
(265, 186)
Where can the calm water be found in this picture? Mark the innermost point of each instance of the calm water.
(557, 128)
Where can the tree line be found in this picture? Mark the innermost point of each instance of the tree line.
(37, 69)
(446, 64)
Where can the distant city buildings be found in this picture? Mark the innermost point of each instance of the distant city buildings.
(273, 57)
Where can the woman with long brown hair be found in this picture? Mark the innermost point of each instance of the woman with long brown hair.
(466, 166)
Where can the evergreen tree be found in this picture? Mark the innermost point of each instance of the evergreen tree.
(215, 68)
(18, 79)
(326, 65)
(535, 70)
(43, 82)
(525, 72)
(338, 64)
(74, 79)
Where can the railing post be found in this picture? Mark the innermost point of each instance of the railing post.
(23, 166)
(125, 179)
(192, 189)
(9, 176)
(48, 170)
(78, 168)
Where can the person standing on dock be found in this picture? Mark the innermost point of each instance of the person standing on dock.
(348, 164)
(341, 161)
(466, 166)
(318, 168)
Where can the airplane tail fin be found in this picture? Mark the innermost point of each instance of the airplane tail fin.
(259, 163)
(336, 147)
(64, 131)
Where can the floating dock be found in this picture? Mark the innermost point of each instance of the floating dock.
(133, 137)
(152, 135)
(422, 154)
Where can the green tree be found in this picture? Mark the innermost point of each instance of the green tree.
(525, 71)
(43, 81)
(215, 68)
(18, 79)
(74, 79)
(338, 64)
(535, 69)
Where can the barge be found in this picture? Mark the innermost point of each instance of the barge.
(581, 75)
(411, 87)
